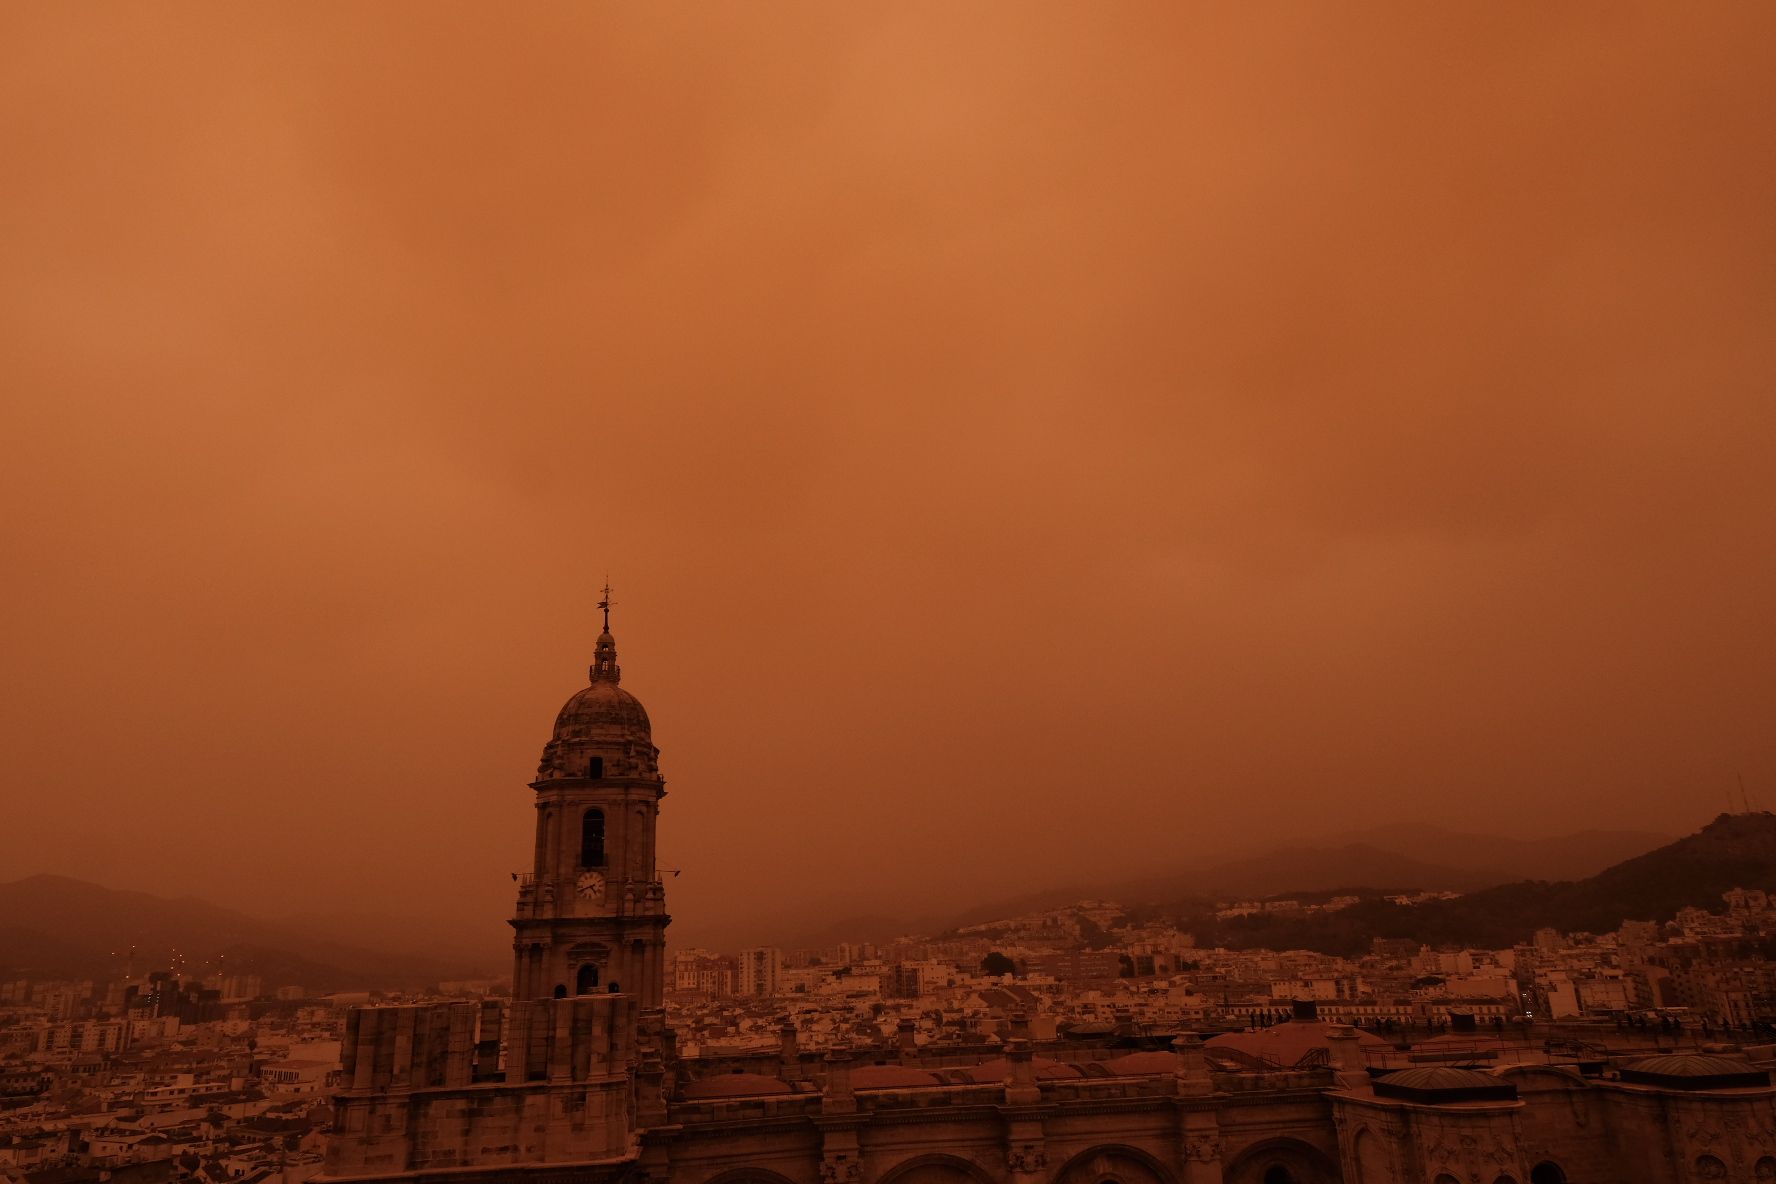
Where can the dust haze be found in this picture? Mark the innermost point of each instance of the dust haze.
(1029, 442)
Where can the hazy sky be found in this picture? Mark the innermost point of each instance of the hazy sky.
(1027, 440)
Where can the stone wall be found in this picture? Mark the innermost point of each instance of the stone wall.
(551, 1092)
(435, 1087)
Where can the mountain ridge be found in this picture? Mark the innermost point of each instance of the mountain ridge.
(1436, 858)
(55, 924)
(1732, 851)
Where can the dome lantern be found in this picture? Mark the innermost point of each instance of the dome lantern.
(603, 731)
(604, 654)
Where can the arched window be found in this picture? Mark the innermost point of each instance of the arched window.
(1710, 1168)
(1547, 1172)
(614, 988)
(592, 839)
(1764, 1169)
(587, 980)
(560, 990)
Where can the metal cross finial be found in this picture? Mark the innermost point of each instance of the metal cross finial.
(606, 603)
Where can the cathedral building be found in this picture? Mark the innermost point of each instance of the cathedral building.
(576, 1078)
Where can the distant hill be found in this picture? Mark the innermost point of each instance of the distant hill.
(1733, 851)
(1405, 856)
(1307, 869)
(1399, 857)
(1500, 860)
(56, 925)
(1396, 857)
(32, 953)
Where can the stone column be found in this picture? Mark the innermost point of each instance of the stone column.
(841, 1157)
(837, 1097)
(518, 1021)
(650, 1092)
(401, 1067)
(1026, 1158)
(841, 1161)
(560, 1056)
(1201, 1149)
(487, 1047)
(1199, 1129)
(1349, 1070)
(1020, 1074)
(360, 1030)
(1026, 1151)
(1193, 1067)
(787, 1052)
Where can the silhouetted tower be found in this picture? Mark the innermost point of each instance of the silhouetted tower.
(591, 913)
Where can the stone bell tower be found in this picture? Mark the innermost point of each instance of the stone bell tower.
(591, 916)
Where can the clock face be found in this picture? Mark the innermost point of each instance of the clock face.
(590, 885)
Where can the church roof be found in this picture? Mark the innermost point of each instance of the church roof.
(1444, 1083)
(1288, 1043)
(735, 1085)
(1695, 1071)
(998, 1069)
(891, 1077)
(1142, 1064)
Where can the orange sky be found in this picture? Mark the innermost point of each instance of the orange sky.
(1029, 440)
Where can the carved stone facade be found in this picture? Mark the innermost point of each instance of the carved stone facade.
(428, 1091)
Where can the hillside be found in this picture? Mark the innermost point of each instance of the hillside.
(1306, 869)
(1733, 851)
(56, 925)
(1396, 857)
(1499, 860)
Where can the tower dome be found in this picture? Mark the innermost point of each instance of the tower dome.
(603, 731)
(601, 705)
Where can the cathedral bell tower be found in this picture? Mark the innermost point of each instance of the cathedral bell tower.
(591, 915)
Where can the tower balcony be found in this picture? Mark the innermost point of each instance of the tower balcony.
(527, 894)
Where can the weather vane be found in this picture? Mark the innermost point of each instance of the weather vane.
(606, 603)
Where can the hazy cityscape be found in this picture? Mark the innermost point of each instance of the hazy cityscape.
(788, 592)
(181, 1067)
